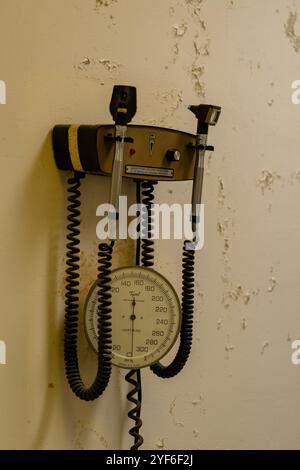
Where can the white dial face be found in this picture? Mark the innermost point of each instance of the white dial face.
(146, 317)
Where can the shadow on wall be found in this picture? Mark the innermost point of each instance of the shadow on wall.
(42, 204)
(44, 207)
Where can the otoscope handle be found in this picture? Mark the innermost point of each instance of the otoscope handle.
(207, 115)
(198, 180)
(116, 178)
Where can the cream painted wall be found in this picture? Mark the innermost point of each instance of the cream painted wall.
(59, 60)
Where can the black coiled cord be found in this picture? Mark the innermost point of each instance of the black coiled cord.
(147, 223)
(133, 377)
(72, 303)
(187, 298)
(187, 311)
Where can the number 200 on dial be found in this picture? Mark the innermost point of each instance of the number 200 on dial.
(146, 317)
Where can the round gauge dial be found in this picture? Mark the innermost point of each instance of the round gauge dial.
(146, 317)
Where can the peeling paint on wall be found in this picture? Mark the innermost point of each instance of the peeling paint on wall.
(172, 406)
(267, 180)
(289, 28)
(273, 284)
(175, 51)
(295, 177)
(244, 324)
(201, 49)
(109, 65)
(92, 68)
(104, 3)
(160, 444)
(228, 349)
(197, 402)
(237, 294)
(179, 424)
(171, 11)
(172, 99)
(221, 193)
(264, 347)
(194, 9)
(180, 29)
(197, 71)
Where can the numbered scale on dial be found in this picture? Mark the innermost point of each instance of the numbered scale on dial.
(146, 317)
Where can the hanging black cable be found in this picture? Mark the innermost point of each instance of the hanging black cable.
(72, 303)
(147, 221)
(187, 310)
(133, 377)
(187, 300)
(138, 229)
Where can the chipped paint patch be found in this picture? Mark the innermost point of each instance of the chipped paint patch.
(220, 228)
(179, 424)
(201, 49)
(244, 324)
(237, 294)
(172, 406)
(267, 180)
(104, 3)
(180, 29)
(172, 100)
(160, 443)
(175, 51)
(86, 61)
(264, 347)
(109, 65)
(91, 65)
(289, 28)
(273, 284)
(221, 192)
(197, 71)
(226, 246)
(194, 9)
(295, 177)
(196, 433)
(171, 11)
(197, 401)
(228, 348)
(223, 226)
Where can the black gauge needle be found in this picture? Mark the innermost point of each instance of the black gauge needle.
(132, 318)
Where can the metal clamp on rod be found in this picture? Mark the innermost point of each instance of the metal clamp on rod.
(209, 148)
(115, 138)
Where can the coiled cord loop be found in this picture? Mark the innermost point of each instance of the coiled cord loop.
(72, 303)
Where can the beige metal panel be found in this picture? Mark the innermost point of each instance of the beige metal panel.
(148, 152)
